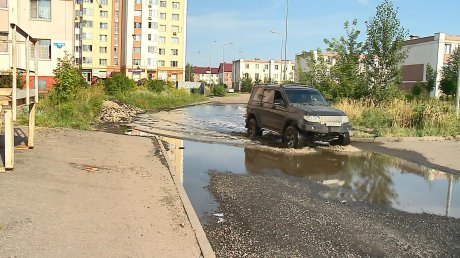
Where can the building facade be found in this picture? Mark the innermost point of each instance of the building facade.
(225, 74)
(261, 71)
(48, 21)
(208, 75)
(155, 39)
(302, 65)
(434, 50)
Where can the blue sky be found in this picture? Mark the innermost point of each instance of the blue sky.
(247, 24)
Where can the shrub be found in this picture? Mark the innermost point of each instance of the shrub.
(219, 90)
(68, 80)
(166, 99)
(246, 85)
(156, 85)
(7, 79)
(118, 83)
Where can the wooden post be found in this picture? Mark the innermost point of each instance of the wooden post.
(31, 136)
(36, 71)
(27, 71)
(9, 139)
(15, 64)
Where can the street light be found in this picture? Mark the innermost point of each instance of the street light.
(457, 98)
(281, 58)
(223, 59)
(210, 62)
(285, 39)
(132, 59)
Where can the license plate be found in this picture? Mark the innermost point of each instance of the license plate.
(333, 124)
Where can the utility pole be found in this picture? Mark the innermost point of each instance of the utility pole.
(285, 40)
(281, 57)
(458, 84)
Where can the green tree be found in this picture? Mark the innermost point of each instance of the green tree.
(219, 90)
(347, 77)
(313, 70)
(246, 84)
(450, 74)
(156, 85)
(430, 77)
(118, 83)
(384, 52)
(189, 73)
(68, 79)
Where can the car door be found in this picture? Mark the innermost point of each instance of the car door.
(273, 115)
(266, 109)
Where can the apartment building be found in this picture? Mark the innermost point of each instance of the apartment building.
(434, 50)
(49, 21)
(97, 37)
(208, 75)
(263, 71)
(155, 38)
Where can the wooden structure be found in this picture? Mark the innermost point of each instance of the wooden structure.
(11, 98)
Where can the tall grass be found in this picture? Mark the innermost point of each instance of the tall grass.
(170, 98)
(403, 117)
(79, 113)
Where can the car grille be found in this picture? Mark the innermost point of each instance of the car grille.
(331, 119)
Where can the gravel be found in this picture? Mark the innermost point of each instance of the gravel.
(269, 215)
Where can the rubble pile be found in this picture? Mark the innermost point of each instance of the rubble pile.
(118, 112)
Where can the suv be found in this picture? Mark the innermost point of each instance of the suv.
(299, 113)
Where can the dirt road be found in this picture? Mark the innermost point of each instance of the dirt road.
(92, 194)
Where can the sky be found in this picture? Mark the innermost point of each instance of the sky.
(234, 29)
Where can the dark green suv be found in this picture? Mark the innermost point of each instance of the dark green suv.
(299, 113)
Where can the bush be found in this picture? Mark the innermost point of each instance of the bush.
(219, 90)
(68, 80)
(156, 85)
(246, 84)
(166, 99)
(6, 80)
(118, 83)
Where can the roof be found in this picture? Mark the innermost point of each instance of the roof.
(205, 70)
(286, 86)
(228, 67)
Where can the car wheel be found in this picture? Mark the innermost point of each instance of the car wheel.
(291, 137)
(253, 129)
(344, 139)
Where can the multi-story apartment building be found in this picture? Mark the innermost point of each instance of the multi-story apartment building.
(434, 50)
(261, 71)
(155, 39)
(50, 22)
(209, 75)
(97, 37)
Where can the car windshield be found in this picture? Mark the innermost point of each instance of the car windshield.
(307, 96)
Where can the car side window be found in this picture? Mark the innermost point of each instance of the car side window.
(269, 96)
(258, 94)
(278, 97)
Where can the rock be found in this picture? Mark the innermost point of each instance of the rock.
(118, 112)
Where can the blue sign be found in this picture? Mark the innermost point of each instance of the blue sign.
(58, 44)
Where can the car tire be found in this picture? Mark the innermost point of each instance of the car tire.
(253, 129)
(344, 139)
(292, 137)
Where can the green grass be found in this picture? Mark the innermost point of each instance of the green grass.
(153, 101)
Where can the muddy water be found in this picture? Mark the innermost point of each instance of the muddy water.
(348, 175)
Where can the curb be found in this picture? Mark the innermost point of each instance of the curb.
(200, 235)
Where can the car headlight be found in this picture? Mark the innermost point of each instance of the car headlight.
(345, 119)
(312, 119)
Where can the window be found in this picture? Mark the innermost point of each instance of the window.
(162, 27)
(162, 40)
(3, 3)
(162, 3)
(151, 49)
(161, 63)
(256, 77)
(162, 51)
(246, 66)
(150, 61)
(78, 49)
(87, 60)
(102, 61)
(103, 38)
(115, 40)
(77, 25)
(155, 2)
(174, 52)
(293, 67)
(149, 36)
(137, 50)
(87, 48)
(3, 45)
(276, 67)
(103, 25)
(175, 5)
(115, 60)
(153, 13)
(266, 66)
(175, 17)
(138, 1)
(153, 25)
(447, 48)
(163, 16)
(117, 15)
(137, 13)
(44, 49)
(87, 24)
(137, 25)
(175, 28)
(174, 63)
(268, 96)
(136, 62)
(88, 11)
(102, 50)
(40, 9)
(174, 40)
(104, 14)
(257, 66)
(137, 37)
(104, 2)
(258, 94)
(87, 35)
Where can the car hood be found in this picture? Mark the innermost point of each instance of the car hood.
(319, 110)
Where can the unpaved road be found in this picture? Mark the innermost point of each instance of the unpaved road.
(279, 216)
(92, 194)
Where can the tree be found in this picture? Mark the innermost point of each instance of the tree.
(314, 72)
(118, 83)
(68, 79)
(384, 52)
(246, 84)
(430, 77)
(450, 74)
(189, 73)
(347, 77)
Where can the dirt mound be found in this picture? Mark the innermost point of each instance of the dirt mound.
(118, 112)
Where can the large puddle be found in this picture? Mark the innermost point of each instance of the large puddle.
(349, 176)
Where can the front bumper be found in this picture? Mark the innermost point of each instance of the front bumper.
(323, 129)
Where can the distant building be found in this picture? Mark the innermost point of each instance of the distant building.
(209, 75)
(51, 22)
(301, 61)
(263, 71)
(225, 74)
(434, 50)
